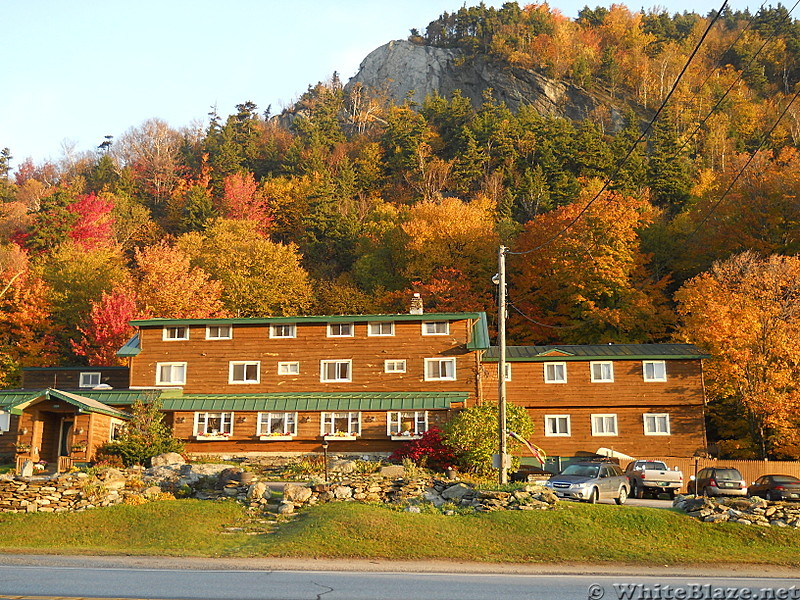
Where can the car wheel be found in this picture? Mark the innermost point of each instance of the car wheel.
(622, 496)
(707, 492)
(636, 491)
(671, 494)
(771, 496)
(594, 496)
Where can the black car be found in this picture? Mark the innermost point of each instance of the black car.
(776, 487)
(718, 481)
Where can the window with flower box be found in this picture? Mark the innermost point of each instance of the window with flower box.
(405, 425)
(242, 371)
(277, 426)
(171, 373)
(213, 425)
(340, 425)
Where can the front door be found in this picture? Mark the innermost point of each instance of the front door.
(65, 437)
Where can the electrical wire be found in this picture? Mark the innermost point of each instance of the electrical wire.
(622, 162)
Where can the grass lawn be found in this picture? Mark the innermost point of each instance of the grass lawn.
(575, 533)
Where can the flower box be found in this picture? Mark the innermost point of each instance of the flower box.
(212, 438)
(275, 438)
(340, 438)
(404, 438)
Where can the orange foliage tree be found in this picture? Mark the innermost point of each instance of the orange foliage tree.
(745, 312)
(107, 328)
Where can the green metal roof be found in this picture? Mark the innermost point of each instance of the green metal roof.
(12, 400)
(569, 352)
(314, 319)
(109, 397)
(354, 401)
(131, 347)
(480, 334)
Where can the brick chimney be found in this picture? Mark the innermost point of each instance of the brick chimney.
(416, 305)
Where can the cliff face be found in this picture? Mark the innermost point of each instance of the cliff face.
(400, 67)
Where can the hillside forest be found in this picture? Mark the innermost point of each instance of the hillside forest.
(348, 203)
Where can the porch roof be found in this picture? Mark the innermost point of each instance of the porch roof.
(331, 401)
(15, 401)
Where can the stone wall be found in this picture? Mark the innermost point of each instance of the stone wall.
(745, 511)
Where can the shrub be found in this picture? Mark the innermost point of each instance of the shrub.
(430, 451)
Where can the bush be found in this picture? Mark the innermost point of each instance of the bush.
(472, 433)
(430, 451)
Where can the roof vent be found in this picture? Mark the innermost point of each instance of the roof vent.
(416, 305)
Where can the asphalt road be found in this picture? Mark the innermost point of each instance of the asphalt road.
(205, 580)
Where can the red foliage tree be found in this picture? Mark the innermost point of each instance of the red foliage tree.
(107, 328)
(94, 226)
(243, 200)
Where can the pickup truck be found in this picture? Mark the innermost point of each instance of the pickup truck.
(653, 477)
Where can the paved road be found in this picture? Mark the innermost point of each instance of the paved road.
(70, 583)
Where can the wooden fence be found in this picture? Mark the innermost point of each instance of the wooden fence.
(750, 469)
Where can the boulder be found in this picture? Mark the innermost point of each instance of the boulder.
(168, 458)
(293, 492)
(456, 492)
(343, 466)
(392, 471)
(286, 508)
(342, 492)
(112, 479)
(257, 491)
(230, 475)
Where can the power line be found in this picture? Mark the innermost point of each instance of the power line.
(622, 162)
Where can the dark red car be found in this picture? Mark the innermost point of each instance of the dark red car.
(776, 487)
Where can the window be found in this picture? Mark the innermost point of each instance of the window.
(604, 425)
(340, 329)
(283, 330)
(394, 366)
(380, 328)
(435, 327)
(172, 373)
(555, 372)
(277, 424)
(289, 368)
(89, 380)
(440, 369)
(407, 423)
(654, 370)
(5, 421)
(335, 370)
(213, 424)
(241, 371)
(116, 429)
(656, 424)
(556, 425)
(340, 423)
(178, 332)
(219, 332)
(602, 372)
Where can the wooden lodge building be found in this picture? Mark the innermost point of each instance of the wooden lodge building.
(362, 383)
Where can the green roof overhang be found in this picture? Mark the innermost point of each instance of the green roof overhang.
(16, 401)
(314, 319)
(131, 348)
(480, 334)
(566, 353)
(355, 401)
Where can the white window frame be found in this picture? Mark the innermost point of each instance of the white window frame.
(339, 325)
(289, 367)
(201, 420)
(171, 381)
(328, 420)
(324, 363)
(82, 383)
(440, 361)
(379, 327)
(5, 421)
(243, 363)
(430, 327)
(557, 419)
(599, 422)
(168, 338)
(219, 336)
(563, 365)
(276, 330)
(600, 364)
(646, 363)
(396, 365)
(655, 417)
(394, 423)
(266, 419)
(115, 428)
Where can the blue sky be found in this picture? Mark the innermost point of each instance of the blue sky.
(75, 71)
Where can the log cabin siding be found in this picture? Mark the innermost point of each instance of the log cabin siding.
(207, 361)
(69, 378)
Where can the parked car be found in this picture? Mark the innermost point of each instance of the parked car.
(591, 481)
(653, 477)
(776, 487)
(718, 481)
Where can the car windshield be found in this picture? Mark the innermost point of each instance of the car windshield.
(582, 470)
(785, 479)
(728, 474)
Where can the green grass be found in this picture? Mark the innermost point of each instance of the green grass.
(574, 533)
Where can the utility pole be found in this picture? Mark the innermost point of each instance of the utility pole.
(501, 363)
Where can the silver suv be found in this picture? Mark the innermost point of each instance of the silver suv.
(591, 481)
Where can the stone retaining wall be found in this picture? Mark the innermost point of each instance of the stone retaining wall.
(746, 511)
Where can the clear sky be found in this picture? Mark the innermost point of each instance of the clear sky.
(75, 71)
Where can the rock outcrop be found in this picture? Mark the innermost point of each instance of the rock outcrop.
(745, 511)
